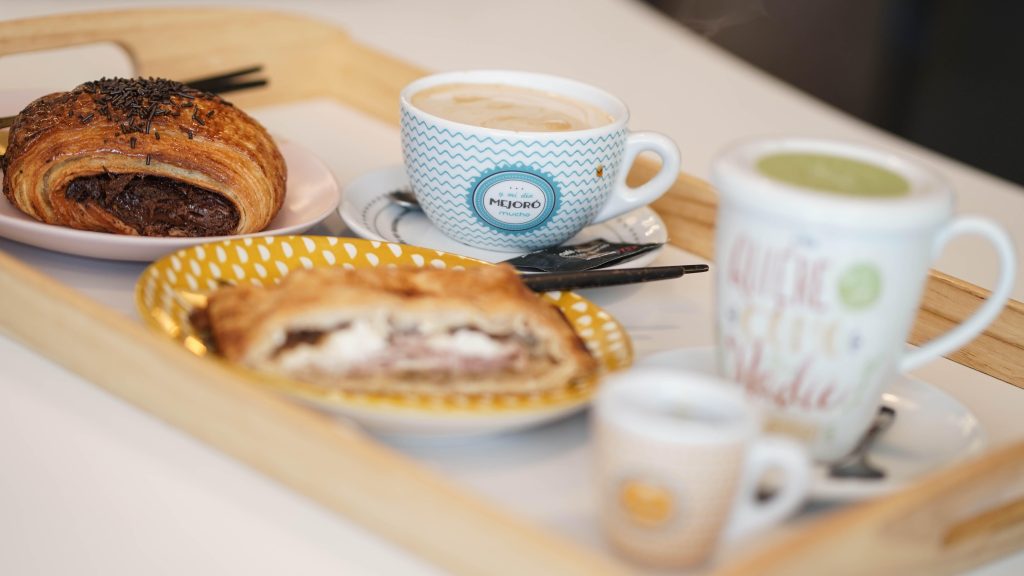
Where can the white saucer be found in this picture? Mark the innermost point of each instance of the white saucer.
(312, 194)
(932, 430)
(368, 212)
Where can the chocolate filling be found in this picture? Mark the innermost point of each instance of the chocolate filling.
(157, 206)
(299, 337)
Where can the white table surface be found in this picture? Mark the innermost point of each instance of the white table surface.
(92, 485)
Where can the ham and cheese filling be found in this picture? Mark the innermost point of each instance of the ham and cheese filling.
(364, 347)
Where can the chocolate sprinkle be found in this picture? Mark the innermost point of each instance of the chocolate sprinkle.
(148, 158)
(133, 103)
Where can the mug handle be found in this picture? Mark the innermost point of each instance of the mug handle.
(987, 312)
(769, 453)
(623, 198)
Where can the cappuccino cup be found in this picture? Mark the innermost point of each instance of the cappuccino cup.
(517, 161)
(822, 252)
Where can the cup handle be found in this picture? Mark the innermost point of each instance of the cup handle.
(769, 453)
(988, 311)
(623, 198)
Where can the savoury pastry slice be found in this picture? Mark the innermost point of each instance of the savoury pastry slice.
(427, 331)
(145, 157)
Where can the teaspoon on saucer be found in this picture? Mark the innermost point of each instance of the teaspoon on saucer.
(404, 198)
(856, 464)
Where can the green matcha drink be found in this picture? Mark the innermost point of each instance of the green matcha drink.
(833, 175)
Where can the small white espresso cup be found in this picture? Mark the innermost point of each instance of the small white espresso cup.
(822, 251)
(678, 460)
(516, 191)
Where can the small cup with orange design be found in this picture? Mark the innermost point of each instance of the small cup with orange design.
(679, 459)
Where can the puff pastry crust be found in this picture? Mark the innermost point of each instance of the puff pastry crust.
(143, 157)
(426, 331)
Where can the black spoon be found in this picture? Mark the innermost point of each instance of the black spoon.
(855, 464)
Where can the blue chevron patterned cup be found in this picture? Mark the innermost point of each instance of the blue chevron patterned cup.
(516, 191)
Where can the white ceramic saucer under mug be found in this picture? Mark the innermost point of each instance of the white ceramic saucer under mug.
(367, 211)
(932, 431)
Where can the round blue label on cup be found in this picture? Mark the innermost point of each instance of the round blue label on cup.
(514, 199)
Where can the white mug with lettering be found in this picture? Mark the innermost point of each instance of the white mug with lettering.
(516, 161)
(823, 249)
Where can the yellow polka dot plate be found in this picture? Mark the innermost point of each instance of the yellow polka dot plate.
(170, 288)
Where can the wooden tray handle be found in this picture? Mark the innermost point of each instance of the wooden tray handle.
(303, 58)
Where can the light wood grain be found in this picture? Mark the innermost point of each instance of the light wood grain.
(315, 455)
(954, 521)
(306, 58)
(932, 528)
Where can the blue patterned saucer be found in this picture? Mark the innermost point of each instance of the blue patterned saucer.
(369, 213)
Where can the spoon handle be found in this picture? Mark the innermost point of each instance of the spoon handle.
(855, 464)
(600, 278)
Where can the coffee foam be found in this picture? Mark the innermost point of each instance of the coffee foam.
(508, 107)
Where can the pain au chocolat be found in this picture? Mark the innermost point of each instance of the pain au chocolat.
(148, 157)
(399, 330)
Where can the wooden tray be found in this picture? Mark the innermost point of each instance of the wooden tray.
(935, 527)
